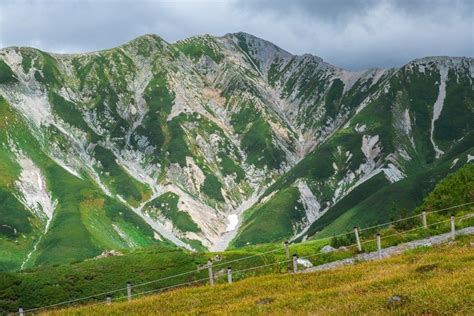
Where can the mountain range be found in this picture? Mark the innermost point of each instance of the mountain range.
(215, 142)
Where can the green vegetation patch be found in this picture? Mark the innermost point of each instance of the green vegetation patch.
(26, 61)
(118, 179)
(212, 188)
(457, 116)
(229, 167)
(167, 204)
(333, 98)
(197, 47)
(68, 111)
(455, 189)
(177, 148)
(271, 221)
(6, 74)
(15, 218)
(246, 115)
(50, 74)
(158, 96)
(258, 143)
(154, 126)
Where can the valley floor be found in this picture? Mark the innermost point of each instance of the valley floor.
(424, 280)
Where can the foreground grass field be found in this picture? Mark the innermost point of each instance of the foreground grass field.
(426, 281)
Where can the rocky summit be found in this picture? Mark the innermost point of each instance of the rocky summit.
(215, 142)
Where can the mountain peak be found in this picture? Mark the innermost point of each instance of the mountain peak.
(148, 38)
(254, 41)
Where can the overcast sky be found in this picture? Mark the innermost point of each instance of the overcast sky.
(347, 33)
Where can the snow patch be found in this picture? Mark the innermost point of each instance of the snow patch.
(227, 237)
(233, 222)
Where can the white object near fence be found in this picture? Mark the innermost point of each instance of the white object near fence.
(129, 291)
(20, 311)
(356, 233)
(295, 263)
(423, 219)
(379, 246)
(108, 300)
(229, 275)
(211, 275)
(453, 228)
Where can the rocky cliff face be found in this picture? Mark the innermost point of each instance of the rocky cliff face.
(209, 140)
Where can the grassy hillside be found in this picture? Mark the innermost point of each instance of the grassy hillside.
(364, 288)
(398, 200)
(50, 285)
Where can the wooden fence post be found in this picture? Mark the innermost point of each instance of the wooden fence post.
(287, 254)
(295, 263)
(379, 246)
(453, 227)
(108, 299)
(229, 275)
(129, 291)
(21, 312)
(211, 275)
(356, 233)
(423, 219)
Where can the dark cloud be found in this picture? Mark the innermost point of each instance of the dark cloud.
(348, 33)
(331, 11)
(346, 10)
(79, 25)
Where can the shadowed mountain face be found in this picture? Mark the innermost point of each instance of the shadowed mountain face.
(215, 141)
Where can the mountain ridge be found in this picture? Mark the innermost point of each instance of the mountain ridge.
(154, 36)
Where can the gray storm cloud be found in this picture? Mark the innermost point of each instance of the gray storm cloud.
(349, 34)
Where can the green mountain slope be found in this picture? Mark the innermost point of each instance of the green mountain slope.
(384, 160)
(212, 141)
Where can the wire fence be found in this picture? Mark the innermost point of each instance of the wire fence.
(281, 262)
